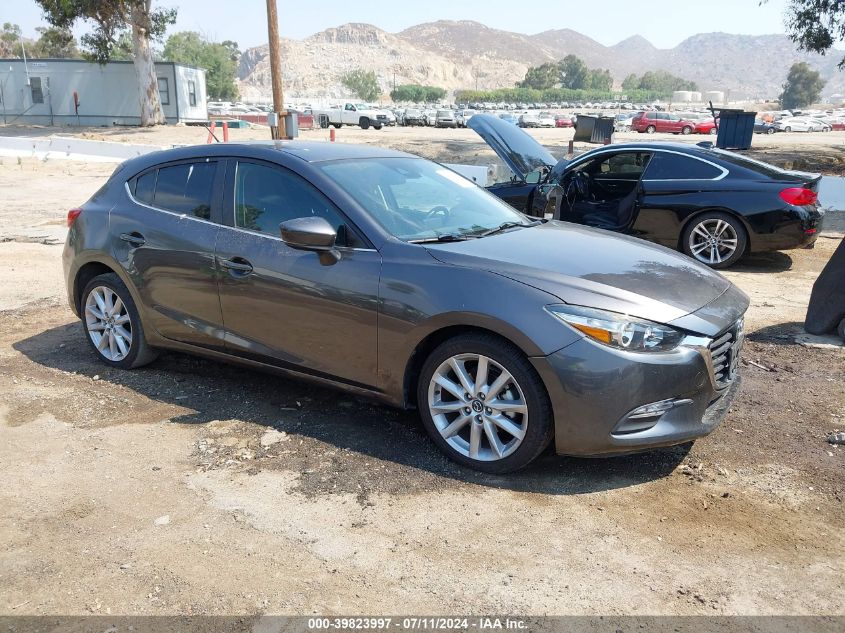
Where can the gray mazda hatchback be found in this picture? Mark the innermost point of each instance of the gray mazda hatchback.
(393, 277)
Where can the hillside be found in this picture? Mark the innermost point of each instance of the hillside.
(466, 54)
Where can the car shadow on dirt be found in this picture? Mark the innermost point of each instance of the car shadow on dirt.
(336, 442)
(767, 263)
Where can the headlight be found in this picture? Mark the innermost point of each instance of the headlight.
(618, 330)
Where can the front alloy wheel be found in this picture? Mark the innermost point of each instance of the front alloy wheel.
(476, 395)
(478, 407)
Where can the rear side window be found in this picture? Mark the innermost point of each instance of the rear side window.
(186, 188)
(145, 187)
(664, 166)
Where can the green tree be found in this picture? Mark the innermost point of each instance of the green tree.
(802, 88)
(631, 82)
(10, 40)
(599, 80)
(363, 83)
(574, 73)
(664, 82)
(110, 20)
(218, 59)
(56, 43)
(816, 25)
(416, 93)
(541, 77)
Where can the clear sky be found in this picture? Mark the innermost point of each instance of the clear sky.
(664, 23)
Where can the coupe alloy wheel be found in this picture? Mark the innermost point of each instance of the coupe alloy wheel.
(478, 407)
(108, 324)
(713, 241)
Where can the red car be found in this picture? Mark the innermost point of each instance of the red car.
(706, 126)
(563, 121)
(651, 122)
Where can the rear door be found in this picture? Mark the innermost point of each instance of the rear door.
(164, 237)
(674, 186)
(281, 305)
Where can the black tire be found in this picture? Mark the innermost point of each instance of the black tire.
(686, 130)
(377, 126)
(841, 329)
(650, 129)
(540, 428)
(770, 130)
(736, 225)
(364, 123)
(787, 129)
(337, 126)
(140, 353)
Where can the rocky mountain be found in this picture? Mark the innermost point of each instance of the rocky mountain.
(467, 54)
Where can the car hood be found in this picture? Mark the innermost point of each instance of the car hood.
(600, 269)
(517, 149)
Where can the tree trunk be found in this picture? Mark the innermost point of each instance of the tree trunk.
(151, 112)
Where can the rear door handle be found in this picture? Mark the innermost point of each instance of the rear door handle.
(134, 238)
(237, 265)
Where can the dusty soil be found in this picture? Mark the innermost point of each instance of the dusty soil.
(152, 492)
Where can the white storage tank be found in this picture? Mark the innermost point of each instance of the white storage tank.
(681, 96)
(695, 97)
(716, 96)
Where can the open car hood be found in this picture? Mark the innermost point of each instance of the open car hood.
(517, 149)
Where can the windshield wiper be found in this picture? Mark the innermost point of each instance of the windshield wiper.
(504, 226)
(445, 237)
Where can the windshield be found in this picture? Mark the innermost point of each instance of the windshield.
(415, 199)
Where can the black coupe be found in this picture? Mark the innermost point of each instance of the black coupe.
(712, 204)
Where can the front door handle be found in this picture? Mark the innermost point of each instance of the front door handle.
(134, 238)
(237, 265)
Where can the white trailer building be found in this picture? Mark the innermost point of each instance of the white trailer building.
(46, 91)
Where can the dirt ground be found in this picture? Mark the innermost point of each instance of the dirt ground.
(190, 487)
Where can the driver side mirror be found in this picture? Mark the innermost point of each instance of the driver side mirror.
(532, 178)
(311, 234)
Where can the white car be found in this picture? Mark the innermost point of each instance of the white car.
(462, 116)
(798, 124)
(546, 119)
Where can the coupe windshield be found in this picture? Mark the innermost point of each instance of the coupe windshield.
(416, 200)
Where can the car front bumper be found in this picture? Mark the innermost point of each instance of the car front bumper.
(598, 394)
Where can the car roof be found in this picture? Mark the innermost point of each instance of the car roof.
(308, 151)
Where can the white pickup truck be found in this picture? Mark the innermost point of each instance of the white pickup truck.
(359, 114)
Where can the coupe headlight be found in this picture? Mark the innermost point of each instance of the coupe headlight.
(618, 330)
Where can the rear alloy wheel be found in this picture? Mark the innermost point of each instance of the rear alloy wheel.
(771, 130)
(686, 130)
(713, 131)
(650, 129)
(787, 129)
(715, 239)
(112, 323)
(483, 404)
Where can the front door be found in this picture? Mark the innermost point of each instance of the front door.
(284, 306)
(164, 238)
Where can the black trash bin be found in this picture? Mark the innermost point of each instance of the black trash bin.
(736, 129)
(591, 129)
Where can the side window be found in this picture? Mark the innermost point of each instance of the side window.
(164, 91)
(145, 187)
(266, 196)
(185, 188)
(192, 93)
(665, 166)
(628, 164)
(37, 91)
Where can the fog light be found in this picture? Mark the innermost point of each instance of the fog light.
(644, 417)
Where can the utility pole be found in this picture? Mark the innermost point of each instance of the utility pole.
(276, 69)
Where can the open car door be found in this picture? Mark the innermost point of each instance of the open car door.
(602, 191)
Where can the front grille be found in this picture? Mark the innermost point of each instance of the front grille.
(724, 352)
